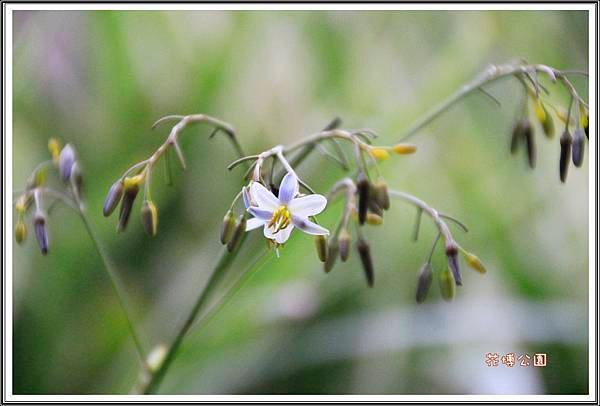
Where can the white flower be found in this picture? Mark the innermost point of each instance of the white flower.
(279, 215)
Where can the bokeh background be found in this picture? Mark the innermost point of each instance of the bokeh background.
(100, 79)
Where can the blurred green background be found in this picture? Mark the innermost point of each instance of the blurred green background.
(100, 79)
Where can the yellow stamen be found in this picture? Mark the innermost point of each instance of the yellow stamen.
(281, 219)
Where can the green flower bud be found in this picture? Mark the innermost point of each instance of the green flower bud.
(447, 285)
(332, 253)
(424, 282)
(381, 194)
(227, 227)
(77, 180)
(150, 217)
(20, 232)
(321, 245)
(240, 228)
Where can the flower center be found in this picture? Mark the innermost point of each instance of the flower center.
(281, 219)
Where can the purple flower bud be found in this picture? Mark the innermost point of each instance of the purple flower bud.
(578, 147)
(424, 283)
(41, 232)
(364, 190)
(529, 143)
(452, 254)
(126, 205)
(565, 154)
(364, 252)
(66, 161)
(113, 198)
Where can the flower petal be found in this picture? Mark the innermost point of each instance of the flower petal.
(263, 197)
(288, 188)
(254, 223)
(246, 197)
(281, 236)
(307, 205)
(308, 226)
(261, 214)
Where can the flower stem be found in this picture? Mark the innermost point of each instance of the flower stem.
(116, 285)
(156, 377)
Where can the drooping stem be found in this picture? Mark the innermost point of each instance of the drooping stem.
(491, 74)
(116, 285)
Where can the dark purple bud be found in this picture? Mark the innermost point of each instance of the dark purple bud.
(578, 147)
(516, 136)
(424, 282)
(364, 252)
(364, 191)
(113, 198)
(66, 161)
(565, 154)
(126, 205)
(452, 254)
(41, 232)
(529, 143)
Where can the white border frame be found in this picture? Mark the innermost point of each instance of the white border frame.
(8, 287)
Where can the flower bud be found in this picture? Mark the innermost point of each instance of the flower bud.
(41, 232)
(565, 154)
(447, 285)
(54, 149)
(364, 252)
(404, 149)
(374, 219)
(20, 232)
(66, 160)
(40, 177)
(584, 120)
(475, 263)
(240, 228)
(332, 253)
(380, 154)
(344, 245)
(363, 187)
(149, 217)
(578, 147)
(380, 193)
(529, 143)
(452, 254)
(517, 136)
(321, 245)
(113, 198)
(424, 282)
(227, 227)
(77, 180)
(126, 204)
(546, 121)
(23, 203)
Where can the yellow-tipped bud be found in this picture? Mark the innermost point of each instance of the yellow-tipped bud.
(374, 219)
(404, 149)
(150, 217)
(20, 232)
(474, 262)
(22, 204)
(540, 111)
(133, 181)
(40, 176)
(54, 148)
(380, 154)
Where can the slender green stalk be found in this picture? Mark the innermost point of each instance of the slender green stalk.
(116, 285)
(491, 74)
(157, 377)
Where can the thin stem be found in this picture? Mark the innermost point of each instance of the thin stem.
(116, 285)
(491, 74)
(156, 378)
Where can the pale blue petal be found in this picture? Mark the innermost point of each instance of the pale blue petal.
(254, 223)
(261, 214)
(307, 205)
(308, 226)
(263, 197)
(288, 188)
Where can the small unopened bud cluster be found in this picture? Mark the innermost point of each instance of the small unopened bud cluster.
(572, 140)
(232, 230)
(64, 161)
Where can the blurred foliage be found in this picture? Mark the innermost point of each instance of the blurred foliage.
(99, 80)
